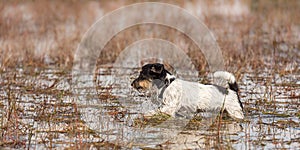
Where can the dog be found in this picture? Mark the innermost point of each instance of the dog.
(177, 94)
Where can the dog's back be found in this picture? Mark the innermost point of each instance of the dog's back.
(194, 96)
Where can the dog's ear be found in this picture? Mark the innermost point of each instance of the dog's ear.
(157, 68)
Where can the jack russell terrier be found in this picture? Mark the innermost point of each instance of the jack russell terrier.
(179, 94)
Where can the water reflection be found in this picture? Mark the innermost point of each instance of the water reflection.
(41, 104)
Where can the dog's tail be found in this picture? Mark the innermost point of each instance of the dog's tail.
(228, 78)
(230, 81)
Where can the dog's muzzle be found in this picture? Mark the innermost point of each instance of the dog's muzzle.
(141, 84)
(136, 85)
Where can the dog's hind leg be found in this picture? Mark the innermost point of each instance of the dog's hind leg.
(232, 105)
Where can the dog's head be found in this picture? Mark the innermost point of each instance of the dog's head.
(149, 73)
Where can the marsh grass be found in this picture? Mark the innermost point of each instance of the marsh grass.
(38, 40)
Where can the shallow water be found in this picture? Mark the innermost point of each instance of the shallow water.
(40, 108)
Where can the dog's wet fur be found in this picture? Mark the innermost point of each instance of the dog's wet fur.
(156, 74)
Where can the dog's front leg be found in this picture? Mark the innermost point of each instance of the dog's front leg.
(170, 105)
(171, 100)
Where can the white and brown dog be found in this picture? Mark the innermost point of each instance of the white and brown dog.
(177, 94)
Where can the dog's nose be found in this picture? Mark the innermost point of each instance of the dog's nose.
(135, 85)
(132, 83)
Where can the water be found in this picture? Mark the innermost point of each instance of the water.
(39, 109)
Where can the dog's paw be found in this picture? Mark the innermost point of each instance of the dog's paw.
(150, 113)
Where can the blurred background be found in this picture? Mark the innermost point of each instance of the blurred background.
(37, 33)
